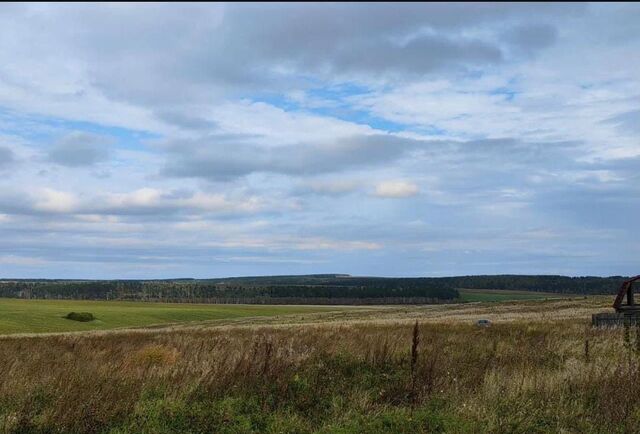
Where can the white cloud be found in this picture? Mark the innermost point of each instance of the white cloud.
(144, 197)
(55, 201)
(396, 189)
(21, 260)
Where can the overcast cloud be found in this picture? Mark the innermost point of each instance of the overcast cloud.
(172, 140)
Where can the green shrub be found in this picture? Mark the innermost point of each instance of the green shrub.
(80, 316)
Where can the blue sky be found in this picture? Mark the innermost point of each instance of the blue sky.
(204, 140)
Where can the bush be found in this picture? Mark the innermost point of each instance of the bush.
(80, 316)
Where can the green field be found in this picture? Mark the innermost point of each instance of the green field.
(37, 316)
(41, 316)
(504, 295)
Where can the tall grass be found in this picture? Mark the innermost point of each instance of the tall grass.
(366, 377)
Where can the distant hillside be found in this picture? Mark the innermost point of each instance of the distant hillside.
(303, 289)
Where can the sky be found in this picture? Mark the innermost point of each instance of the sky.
(209, 140)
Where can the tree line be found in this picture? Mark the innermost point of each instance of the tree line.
(313, 288)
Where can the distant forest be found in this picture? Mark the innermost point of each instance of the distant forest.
(307, 289)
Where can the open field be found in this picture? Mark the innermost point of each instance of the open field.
(352, 371)
(47, 316)
(37, 316)
(505, 295)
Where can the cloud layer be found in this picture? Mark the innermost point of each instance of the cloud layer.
(203, 140)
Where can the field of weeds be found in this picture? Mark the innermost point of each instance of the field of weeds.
(539, 368)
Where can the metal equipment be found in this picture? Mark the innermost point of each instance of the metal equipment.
(627, 289)
(626, 313)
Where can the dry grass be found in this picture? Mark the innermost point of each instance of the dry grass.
(366, 371)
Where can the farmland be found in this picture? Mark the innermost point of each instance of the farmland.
(43, 316)
(38, 316)
(540, 368)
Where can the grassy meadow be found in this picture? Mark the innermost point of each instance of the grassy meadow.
(38, 316)
(540, 368)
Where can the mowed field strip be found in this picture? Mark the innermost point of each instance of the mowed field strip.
(46, 316)
(506, 295)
